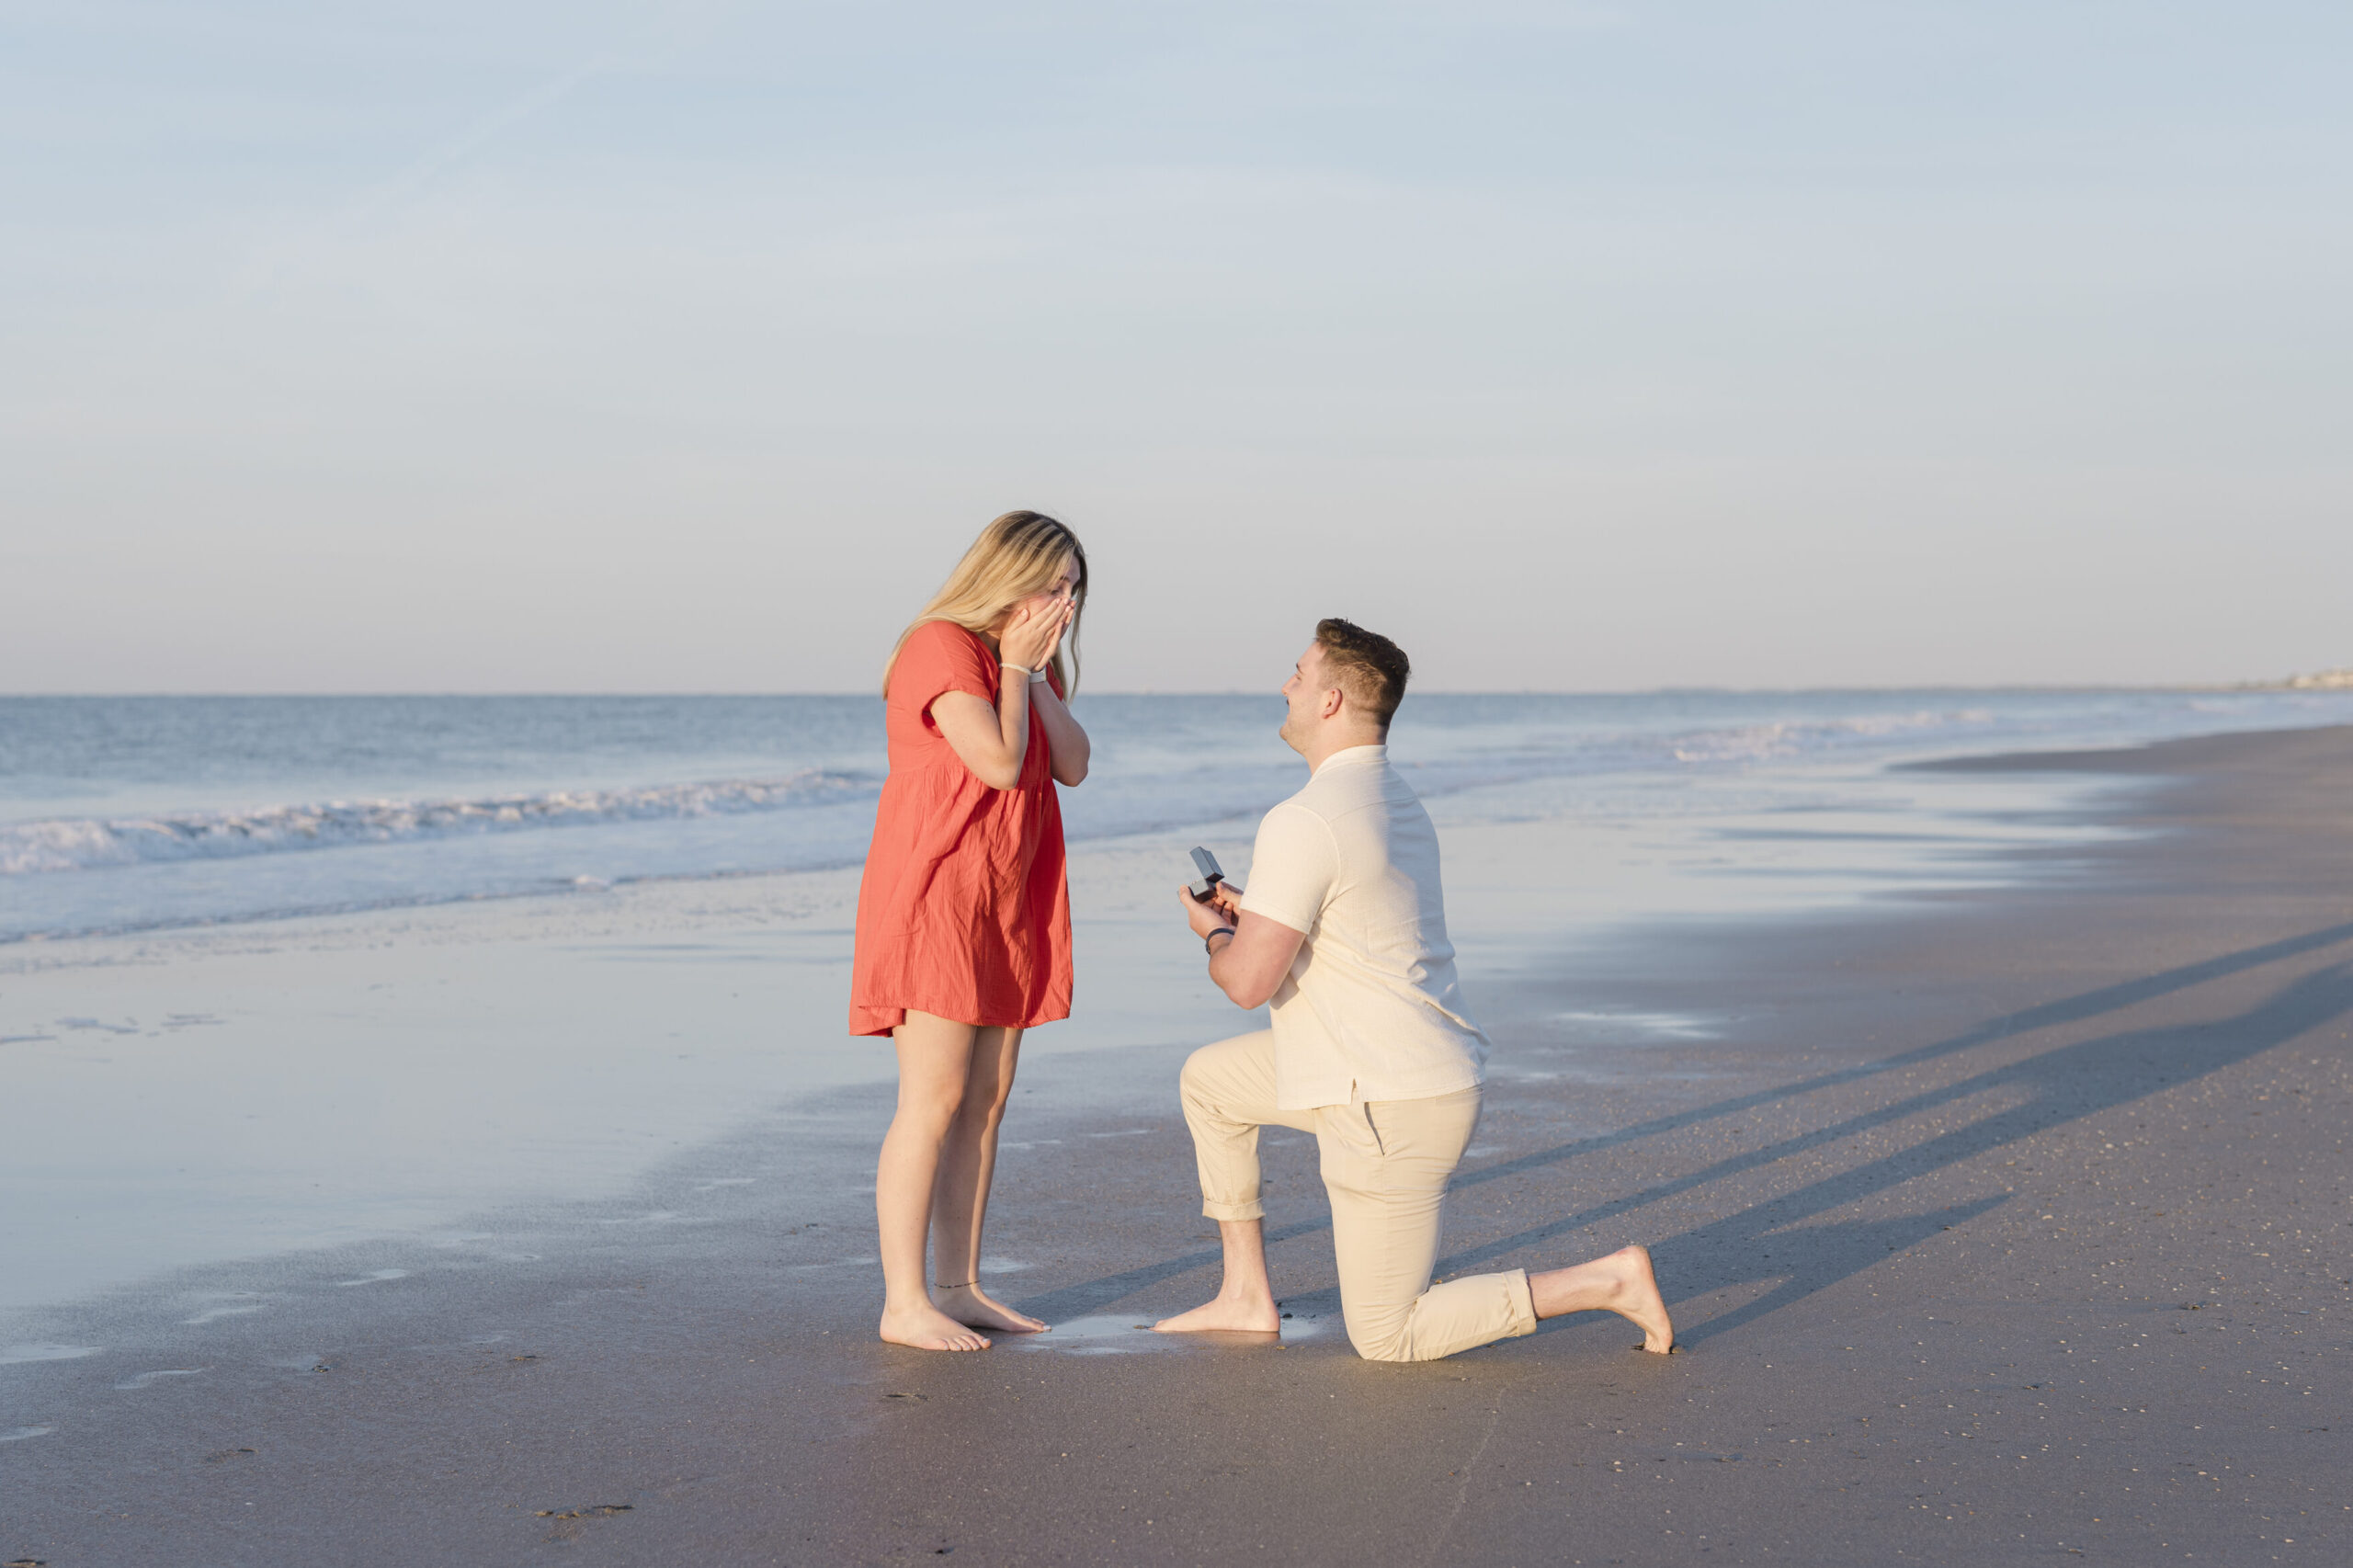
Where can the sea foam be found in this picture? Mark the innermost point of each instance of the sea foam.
(790, 783)
(1759, 743)
(73, 845)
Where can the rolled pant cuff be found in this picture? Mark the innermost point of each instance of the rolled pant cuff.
(1254, 1210)
(1523, 1302)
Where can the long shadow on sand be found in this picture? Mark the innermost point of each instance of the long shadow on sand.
(2063, 1085)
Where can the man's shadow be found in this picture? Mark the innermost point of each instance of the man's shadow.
(2063, 1084)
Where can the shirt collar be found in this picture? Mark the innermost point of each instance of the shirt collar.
(1354, 757)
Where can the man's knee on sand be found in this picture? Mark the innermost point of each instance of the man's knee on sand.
(1380, 1329)
(1382, 1342)
(1389, 1337)
(1446, 1319)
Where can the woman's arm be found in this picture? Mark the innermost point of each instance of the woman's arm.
(1065, 736)
(992, 739)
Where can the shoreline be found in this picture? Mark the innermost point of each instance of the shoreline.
(1823, 1178)
(223, 824)
(389, 1073)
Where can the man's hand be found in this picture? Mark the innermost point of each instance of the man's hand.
(1250, 967)
(1206, 914)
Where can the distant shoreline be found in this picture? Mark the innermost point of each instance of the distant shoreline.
(2182, 754)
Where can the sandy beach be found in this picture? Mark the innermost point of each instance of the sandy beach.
(2002, 1218)
(539, 543)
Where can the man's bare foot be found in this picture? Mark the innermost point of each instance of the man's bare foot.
(1640, 1303)
(1230, 1313)
(972, 1306)
(926, 1327)
(1622, 1283)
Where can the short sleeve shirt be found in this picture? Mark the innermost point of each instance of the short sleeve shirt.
(939, 658)
(1371, 1009)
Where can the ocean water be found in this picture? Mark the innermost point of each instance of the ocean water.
(137, 814)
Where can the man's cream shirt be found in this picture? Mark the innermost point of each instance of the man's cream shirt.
(1371, 1009)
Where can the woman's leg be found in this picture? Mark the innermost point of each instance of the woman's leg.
(935, 1058)
(960, 1202)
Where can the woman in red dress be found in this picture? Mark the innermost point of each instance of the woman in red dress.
(963, 912)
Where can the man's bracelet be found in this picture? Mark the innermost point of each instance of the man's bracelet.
(1221, 931)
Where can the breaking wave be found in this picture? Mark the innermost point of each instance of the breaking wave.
(75, 845)
(1759, 742)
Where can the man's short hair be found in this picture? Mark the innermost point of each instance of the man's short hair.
(1371, 669)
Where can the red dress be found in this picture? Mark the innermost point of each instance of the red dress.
(964, 909)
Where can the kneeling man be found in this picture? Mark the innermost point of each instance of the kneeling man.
(1342, 928)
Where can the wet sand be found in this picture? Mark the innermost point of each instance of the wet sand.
(2000, 1225)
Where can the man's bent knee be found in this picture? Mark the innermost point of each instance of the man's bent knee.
(1400, 1346)
(1225, 1067)
(1195, 1084)
(1386, 1340)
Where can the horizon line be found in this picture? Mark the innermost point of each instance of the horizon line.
(2280, 684)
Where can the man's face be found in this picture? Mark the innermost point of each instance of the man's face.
(1304, 693)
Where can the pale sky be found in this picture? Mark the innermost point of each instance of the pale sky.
(608, 347)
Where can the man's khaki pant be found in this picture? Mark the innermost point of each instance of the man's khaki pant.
(1386, 1164)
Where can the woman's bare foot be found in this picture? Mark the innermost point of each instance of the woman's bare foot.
(926, 1327)
(972, 1306)
(1232, 1315)
(1622, 1283)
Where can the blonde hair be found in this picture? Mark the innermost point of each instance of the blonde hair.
(1019, 554)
